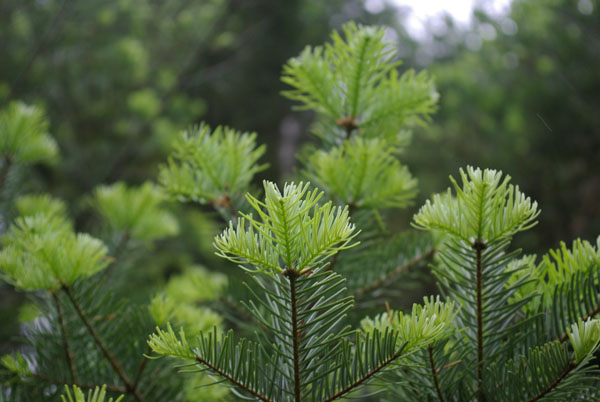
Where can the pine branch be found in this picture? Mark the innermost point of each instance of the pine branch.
(142, 368)
(365, 377)
(479, 246)
(565, 336)
(398, 271)
(434, 373)
(130, 389)
(554, 383)
(63, 331)
(232, 379)
(292, 275)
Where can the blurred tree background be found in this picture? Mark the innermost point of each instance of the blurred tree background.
(117, 79)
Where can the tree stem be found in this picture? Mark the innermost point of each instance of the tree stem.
(111, 359)
(434, 374)
(479, 247)
(295, 333)
(63, 331)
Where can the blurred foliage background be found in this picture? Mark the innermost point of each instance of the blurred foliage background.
(118, 79)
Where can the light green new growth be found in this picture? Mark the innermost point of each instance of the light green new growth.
(353, 84)
(363, 173)
(29, 205)
(42, 252)
(23, 135)
(584, 337)
(179, 303)
(16, 364)
(97, 395)
(486, 208)
(292, 229)
(425, 325)
(211, 167)
(136, 211)
(507, 304)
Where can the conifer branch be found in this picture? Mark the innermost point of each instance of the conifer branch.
(142, 367)
(554, 383)
(365, 377)
(434, 373)
(292, 275)
(479, 247)
(565, 336)
(398, 271)
(63, 331)
(130, 389)
(231, 379)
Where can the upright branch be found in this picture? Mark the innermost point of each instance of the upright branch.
(63, 331)
(296, 334)
(479, 247)
(434, 373)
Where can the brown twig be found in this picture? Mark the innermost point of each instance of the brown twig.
(554, 383)
(111, 359)
(399, 270)
(232, 380)
(434, 374)
(63, 330)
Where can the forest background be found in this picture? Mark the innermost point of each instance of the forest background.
(119, 79)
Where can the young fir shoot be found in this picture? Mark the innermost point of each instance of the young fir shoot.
(510, 345)
(353, 85)
(97, 395)
(304, 353)
(211, 167)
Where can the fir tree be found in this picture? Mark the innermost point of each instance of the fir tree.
(507, 328)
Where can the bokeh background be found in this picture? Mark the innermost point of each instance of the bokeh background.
(519, 85)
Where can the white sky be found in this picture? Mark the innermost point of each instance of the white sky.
(421, 10)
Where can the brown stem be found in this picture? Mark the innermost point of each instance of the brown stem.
(364, 378)
(111, 359)
(232, 380)
(63, 331)
(479, 247)
(292, 275)
(142, 367)
(399, 270)
(554, 383)
(434, 374)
